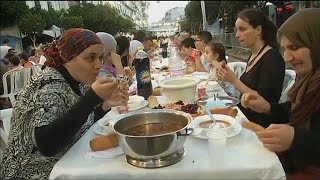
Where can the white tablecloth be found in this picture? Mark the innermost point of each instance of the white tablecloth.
(246, 158)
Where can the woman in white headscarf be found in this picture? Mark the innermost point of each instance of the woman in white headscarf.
(113, 64)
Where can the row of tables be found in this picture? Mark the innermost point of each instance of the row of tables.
(246, 158)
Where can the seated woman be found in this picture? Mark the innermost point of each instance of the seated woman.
(52, 112)
(265, 68)
(122, 49)
(296, 136)
(113, 63)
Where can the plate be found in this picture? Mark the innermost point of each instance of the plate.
(236, 129)
(139, 105)
(233, 101)
(99, 132)
(102, 129)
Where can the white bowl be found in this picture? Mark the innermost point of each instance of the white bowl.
(180, 88)
(226, 118)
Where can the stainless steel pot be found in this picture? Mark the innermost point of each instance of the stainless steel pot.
(153, 150)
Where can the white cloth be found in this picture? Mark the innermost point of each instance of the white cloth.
(42, 60)
(246, 158)
(4, 51)
(134, 45)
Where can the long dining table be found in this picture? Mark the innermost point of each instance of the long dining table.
(245, 158)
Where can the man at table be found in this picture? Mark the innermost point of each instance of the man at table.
(202, 39)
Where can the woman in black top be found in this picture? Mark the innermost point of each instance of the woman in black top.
(265, 67)
(296, 136)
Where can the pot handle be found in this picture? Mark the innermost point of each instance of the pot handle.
(189, 131)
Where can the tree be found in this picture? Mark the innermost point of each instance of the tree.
(11, 11)
(194, 16)
(31, 25)
(100, 18)
(71, 22)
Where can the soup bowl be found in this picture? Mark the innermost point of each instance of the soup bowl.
(153, 138)
(204, 123)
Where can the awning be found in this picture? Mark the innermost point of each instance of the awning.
(53, 31)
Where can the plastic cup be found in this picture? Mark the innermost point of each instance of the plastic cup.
(217, 145)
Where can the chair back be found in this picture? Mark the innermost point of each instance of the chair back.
(3, 142)
(289, 80)
(238, 67)
(13, 81)
(5, 118)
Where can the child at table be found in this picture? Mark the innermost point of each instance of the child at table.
(215, 54)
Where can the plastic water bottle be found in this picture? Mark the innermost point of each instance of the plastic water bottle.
(175, 62)
(143, 76)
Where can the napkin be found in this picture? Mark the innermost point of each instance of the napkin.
(105, 154)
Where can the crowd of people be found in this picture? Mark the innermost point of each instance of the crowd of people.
(58, 106)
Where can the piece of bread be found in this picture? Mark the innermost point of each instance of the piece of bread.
(252, 126)
(123, 82)
(225, 110)
(153, 101)
(104, 142)
(128, 71)
(157, 91)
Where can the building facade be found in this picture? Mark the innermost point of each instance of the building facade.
(169, 24)
(134, 10)
(56, 5)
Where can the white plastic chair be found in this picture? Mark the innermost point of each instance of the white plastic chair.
(237, 67)
(3, 142)
(289, 80)
(13, 81)
(5, 117)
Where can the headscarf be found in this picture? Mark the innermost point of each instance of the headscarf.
(72, 43)
(302, 29)
(108, 41)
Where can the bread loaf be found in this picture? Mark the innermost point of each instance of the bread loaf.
(104, 142)
(153, 101)
(157, 91)
(252, 126)
(226, 111)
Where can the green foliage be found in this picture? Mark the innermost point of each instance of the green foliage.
(11, 11)
(32, 24)
(71, 22)
(193, 16)
(100, 18)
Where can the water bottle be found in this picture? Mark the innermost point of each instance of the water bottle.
(175, 62)
(143, 76)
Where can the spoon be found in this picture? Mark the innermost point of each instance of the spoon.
(210, 115)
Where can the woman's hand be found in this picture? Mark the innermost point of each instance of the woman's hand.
(104, 87)
(277, 137)
(255, 102)
(116, 61)
(118, 98)
(226, 74)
